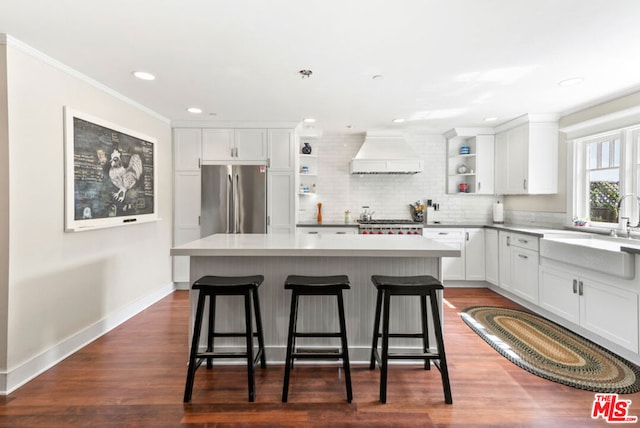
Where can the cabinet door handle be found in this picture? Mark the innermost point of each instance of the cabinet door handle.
(524, 184)
(580, 288)
(466, 236)
(236, 152)
(522, 256)
(479, 185)
(508, 241)
(575, 286)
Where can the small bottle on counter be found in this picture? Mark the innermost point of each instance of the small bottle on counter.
(319, 212)
(347, 217)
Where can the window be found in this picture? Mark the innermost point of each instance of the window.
(607, 170)
(603, 179)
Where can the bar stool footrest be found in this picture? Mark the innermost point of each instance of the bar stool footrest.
(404, 335)
(231, 334)
(312, 334)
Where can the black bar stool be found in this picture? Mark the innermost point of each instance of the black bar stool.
(316, 286)
(422, 286)
(213, 286)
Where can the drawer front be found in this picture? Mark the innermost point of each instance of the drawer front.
(524, 241)
(444, 234)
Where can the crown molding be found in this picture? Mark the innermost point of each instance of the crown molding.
(608, 122)
(231, 124)
(25, 48)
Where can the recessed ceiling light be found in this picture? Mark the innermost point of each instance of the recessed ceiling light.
(572, 81)
(398, 120)
(308, 120)
(194, 110)
(490, 119)
(144, 75)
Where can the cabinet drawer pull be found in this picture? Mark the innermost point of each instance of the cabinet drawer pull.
(443, 233)
(522, 256)
(524, 241)
(575, 286)
(313, 233)
(341, 233)
(580, 288)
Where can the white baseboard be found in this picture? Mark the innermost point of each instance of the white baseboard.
(15, 378)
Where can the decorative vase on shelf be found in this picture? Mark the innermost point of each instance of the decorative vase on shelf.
(306, 149)
(462, 169)
(319, 212)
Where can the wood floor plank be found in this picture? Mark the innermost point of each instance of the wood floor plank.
(134, 376)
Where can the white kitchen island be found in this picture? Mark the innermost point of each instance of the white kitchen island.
(275, 256)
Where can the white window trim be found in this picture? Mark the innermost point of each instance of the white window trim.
(577, 183)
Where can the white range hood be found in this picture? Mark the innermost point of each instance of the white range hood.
(384, 152)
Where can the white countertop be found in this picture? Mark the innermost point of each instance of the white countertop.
(301, 245)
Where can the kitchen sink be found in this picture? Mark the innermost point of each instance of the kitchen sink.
(590, 251)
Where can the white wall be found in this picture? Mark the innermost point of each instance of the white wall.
(388, 195)
(4, 209)
(64, 285)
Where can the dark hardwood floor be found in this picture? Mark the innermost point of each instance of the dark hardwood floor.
(134, 377)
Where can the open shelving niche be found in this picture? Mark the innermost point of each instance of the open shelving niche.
(306, 189)
(477, 140)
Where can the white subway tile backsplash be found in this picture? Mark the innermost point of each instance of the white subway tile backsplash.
(388, 195)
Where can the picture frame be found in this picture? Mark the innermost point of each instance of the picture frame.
(110, 174)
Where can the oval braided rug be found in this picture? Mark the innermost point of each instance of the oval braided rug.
(549, 350)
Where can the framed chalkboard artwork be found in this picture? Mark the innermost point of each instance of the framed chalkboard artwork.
(110, 174)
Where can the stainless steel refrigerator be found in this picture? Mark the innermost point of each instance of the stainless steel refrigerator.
(234, 199)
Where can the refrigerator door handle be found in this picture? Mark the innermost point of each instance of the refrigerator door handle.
(236, 207)
(229, 201)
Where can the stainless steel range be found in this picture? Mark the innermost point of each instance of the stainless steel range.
(389, 227)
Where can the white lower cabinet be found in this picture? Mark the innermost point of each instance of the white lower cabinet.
(604, 309)
(491, 255)
(280, 203)
(470, 266)
(518, 264)
(524, 273)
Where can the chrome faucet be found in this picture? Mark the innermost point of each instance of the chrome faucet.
(620, 204)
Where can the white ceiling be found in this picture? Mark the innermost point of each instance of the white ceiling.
(444, 63)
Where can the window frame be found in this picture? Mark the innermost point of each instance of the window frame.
(628, 170)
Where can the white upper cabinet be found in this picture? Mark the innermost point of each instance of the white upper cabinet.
(526, 156)
(246, 145)
(281, 149)
(217, 144)
(251, 144)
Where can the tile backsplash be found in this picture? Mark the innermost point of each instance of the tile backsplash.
(388, 195)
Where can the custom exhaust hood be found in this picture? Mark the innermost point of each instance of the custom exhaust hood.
(384, 152)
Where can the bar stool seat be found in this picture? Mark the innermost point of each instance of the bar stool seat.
(423, 286)
(211, 287)
(316, 286)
